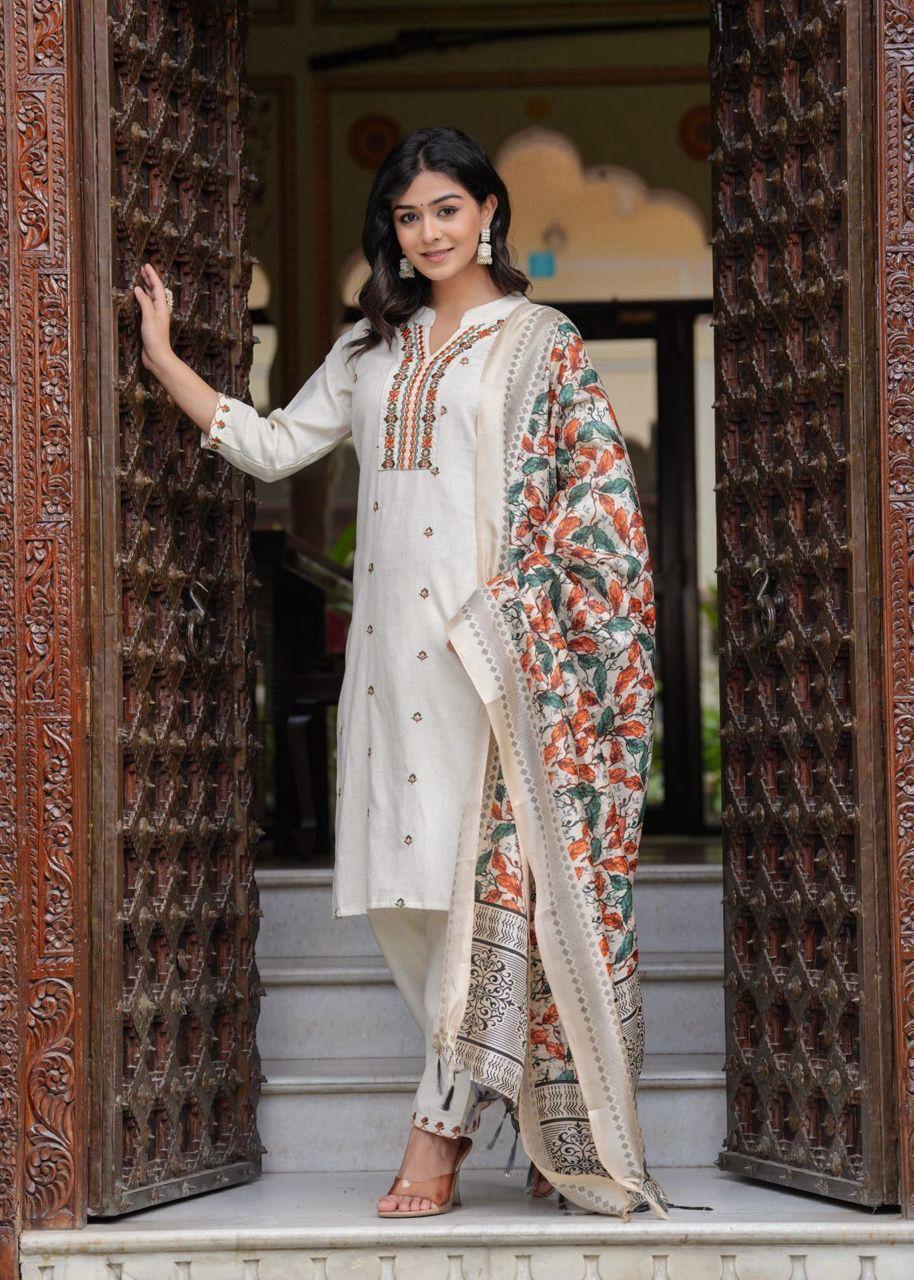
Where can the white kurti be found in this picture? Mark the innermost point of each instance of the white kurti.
(408, 715)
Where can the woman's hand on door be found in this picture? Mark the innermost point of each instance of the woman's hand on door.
(156, 318)
(190, 393)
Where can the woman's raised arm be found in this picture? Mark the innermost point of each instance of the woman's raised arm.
(190, 393)
(316, 419)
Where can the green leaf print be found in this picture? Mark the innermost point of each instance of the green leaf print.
(602, 540)
(606, 721)
(592, 811)
(626, 947)
(545, 656)
(621, 886)
(617, 486)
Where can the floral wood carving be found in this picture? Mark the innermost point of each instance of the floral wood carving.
(42, 1079)
(10, 891)
(894, 139)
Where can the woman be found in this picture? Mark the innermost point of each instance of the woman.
(494, 725)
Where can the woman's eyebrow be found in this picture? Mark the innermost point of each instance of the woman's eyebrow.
(451, 196)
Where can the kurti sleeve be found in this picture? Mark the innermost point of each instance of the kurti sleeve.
(314, 421)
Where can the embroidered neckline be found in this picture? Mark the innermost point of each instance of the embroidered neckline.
(412, 411)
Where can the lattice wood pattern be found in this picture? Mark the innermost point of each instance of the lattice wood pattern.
(178, 1071)
(806, 1034)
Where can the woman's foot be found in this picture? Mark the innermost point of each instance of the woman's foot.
(427, 1155)
(541, 1185)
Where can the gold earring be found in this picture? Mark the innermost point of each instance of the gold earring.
(407, 270)
(484, 252)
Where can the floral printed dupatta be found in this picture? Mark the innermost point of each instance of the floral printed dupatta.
(541, 1000)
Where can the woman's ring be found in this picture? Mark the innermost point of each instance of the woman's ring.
(169, 299)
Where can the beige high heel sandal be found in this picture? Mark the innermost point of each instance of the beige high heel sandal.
(443, 1191)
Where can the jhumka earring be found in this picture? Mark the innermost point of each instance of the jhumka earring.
(407, 270)
(484, 252)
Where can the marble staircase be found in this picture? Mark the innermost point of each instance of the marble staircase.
(342, 1054)
(341, 1057)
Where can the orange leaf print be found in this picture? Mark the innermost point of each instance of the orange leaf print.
(566, 527)
(551, 1015)
(621, 522)
(583, 644)
(607, 504)
(578, 848)
(616, 595)
(624, 679)
(605, 463)
(510, 884)
(631, 729)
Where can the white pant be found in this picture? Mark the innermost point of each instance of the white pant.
(412, 942)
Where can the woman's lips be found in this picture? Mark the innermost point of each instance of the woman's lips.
(436, 255)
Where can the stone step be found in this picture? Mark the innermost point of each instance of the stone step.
(319, 1226)
(364, 1104)
(325, 1007)
(678, 909)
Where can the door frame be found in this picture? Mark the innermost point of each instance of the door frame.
(45, 385)
(890, 43)
(47, 239)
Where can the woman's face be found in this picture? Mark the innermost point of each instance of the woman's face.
(438, 224)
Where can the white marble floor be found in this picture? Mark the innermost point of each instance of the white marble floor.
(297, 1209)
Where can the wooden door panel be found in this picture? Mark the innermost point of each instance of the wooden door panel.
(176, 1074)
(807, 1005)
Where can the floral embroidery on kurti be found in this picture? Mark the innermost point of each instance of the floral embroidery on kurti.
(412, 410)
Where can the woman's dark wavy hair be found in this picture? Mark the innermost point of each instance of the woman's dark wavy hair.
(386, 300)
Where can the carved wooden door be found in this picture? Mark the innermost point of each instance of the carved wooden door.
(175, 1070)
(808, 1005)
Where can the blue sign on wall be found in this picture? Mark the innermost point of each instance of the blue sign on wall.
(541, 264)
